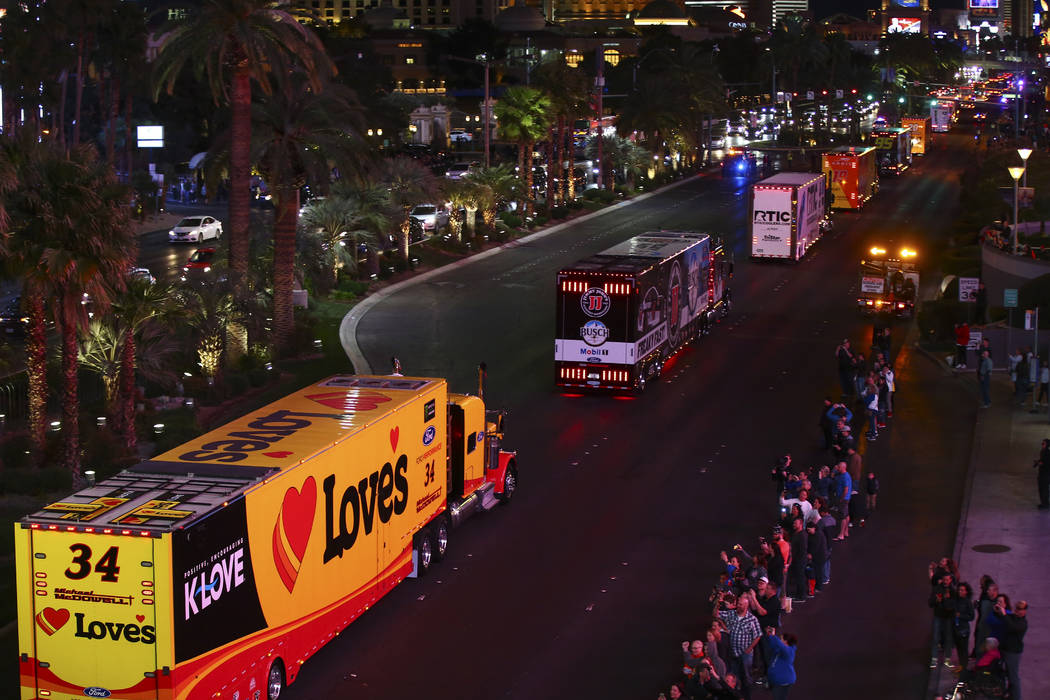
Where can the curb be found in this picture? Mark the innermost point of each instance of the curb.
(348, 326)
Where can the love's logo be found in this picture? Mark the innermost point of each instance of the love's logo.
(51, 620)
(291, 532)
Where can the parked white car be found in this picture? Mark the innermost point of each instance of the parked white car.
(456, 171)
(431, 216)
(194, 229)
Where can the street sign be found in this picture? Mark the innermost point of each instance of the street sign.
(1029, 319)
(975, 340)
(1010, 298)
(968, 288)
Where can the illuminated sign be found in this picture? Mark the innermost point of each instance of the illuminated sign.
(906, 25)
(985, 4)
(906, 3)
(150, 136)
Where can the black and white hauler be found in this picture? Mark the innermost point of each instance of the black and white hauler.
(623, 312)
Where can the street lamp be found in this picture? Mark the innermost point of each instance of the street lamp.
(1024, 153)
(1016, 174)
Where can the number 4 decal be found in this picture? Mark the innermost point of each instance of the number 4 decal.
(106, 565)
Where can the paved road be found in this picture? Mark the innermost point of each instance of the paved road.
(586, 585)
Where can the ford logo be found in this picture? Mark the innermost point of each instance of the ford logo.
(428, 435)
(96, 692)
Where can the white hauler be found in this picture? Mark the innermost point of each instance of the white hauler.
(787, 214)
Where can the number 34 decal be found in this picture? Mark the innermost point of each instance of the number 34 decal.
(81, 566)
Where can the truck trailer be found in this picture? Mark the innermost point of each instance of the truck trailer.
(892, 149)
(942, 115)
(920, 133)
(853, 175)
(787, 215)
(623, 312)
(218, 568)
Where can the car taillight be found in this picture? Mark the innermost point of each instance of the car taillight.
(614, 375)
(573, 373)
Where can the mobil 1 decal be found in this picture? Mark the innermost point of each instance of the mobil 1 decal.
(216, 600)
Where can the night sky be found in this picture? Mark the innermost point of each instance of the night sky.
(859, 8)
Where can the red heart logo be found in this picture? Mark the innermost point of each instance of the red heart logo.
(51, 620)
(349, 401)
(140, 618)
(291, 532)
(276, 455)
(394, 433)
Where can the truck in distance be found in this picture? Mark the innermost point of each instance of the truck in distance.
(218, 568)
(852, 174)
(893, 149)
(623, 312)
(889, 282)
(788, 215)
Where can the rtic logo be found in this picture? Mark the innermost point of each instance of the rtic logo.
(116, 631)
(772, 217)
(51, 620)
(372, 493)
(595, 302)
(291, 532)
(262, 433)
(226, 575)
(594, 333)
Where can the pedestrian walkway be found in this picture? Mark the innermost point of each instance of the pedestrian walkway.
(1001, 533)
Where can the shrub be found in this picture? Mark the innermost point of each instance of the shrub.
(559, 212)
(236, 383)
(511, 219)
(591, 195)
(576, 204)
(606, 196)
(540, 220)
(593, 206)
(258, 377)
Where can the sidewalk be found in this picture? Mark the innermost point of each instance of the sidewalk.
(1001, 533)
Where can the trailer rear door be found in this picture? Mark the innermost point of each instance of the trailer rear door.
(94, 627)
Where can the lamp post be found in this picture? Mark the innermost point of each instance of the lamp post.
(1016, 174)
(1024, 153)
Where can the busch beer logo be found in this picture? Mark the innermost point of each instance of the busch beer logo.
(772, 217)
(594, 333)
(94, 629)
(595, 302)
(206, 588)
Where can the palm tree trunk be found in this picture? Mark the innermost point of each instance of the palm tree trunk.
(70, 401)
(284, 266)
(560, 154)
(125, 413)
(522, 178)
(80, 90)
(36, 372)
(62, 108)
(550, 200)
(528, 180)
(240, 174)
(129, 163)
(111, 124)
(404, 233)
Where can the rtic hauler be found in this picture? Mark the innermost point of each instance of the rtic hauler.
(788, 214)
(218, 568)
(623, 312)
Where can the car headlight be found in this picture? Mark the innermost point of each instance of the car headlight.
(172, 234)
(185, 269)
(207, 269)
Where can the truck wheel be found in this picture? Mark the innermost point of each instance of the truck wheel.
(424, 552)
(510, 485)
(275, 680)
(441, 538)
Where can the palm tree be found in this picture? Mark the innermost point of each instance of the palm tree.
(344, 221)
(523, 115)
(409, 183)
(209, 310)
(302, 134)
(568, 90)
(503, 187)
(233, 43)
(142, 312)
(74, 244)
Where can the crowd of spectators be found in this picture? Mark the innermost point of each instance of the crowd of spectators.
(744, 646)
(985, 632)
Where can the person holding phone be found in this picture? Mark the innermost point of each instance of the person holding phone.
(781, 672)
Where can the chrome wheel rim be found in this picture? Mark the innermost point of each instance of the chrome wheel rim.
(442, 539)
(425, 553)
(274, 685)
